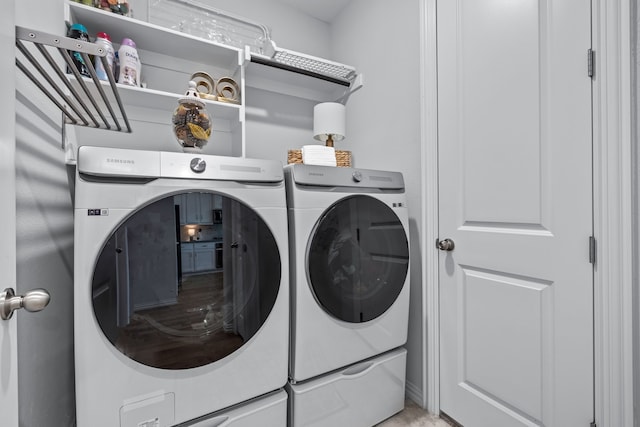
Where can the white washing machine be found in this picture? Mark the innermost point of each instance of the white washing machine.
(164, 334)
(348, 231)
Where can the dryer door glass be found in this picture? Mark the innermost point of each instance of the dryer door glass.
(358, 259)
(173, 289)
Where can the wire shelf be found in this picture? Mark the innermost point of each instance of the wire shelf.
(315, 65)
(306, 64)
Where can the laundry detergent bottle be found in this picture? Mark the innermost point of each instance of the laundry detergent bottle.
(130, 66)
(79, 32)
(104, 41)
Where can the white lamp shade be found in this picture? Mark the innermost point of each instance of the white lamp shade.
(329, 118)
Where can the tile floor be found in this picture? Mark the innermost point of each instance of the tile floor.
(413, 416)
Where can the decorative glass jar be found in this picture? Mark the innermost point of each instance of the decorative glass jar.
(191, 122)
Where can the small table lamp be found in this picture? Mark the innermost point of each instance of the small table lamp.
(329, 122)
(191, 232)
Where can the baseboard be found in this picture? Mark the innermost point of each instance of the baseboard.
(414, 393)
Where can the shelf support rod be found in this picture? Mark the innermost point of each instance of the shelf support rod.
(46, 92)
(82, 83)
(356, 86)
(112, 83)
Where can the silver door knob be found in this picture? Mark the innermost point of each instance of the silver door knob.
(446, 245)
(34, 300)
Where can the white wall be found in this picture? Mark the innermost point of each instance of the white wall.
(44, 243)
(383, 123)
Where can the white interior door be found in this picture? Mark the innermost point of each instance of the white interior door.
(515, 177)
(8, 335)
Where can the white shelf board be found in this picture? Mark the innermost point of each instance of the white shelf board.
(159, 100)
(153, 37)
(163, 101)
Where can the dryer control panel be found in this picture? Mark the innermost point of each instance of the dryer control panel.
(327, 176)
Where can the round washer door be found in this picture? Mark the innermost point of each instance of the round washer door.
(358, 258)
(186, 280)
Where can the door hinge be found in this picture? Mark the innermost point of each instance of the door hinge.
(592, 249)
(593, 424)
(591, 59)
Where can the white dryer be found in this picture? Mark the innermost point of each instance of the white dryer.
(348, 231)
(166, 333)
(349, 263)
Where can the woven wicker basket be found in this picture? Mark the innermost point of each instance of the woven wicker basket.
(343, 158)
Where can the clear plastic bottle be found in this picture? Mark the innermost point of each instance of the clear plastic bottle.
(130, 66)
(104, 41)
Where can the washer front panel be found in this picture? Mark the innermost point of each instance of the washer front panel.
(108, 380)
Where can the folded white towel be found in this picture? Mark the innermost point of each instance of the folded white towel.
(318, 155)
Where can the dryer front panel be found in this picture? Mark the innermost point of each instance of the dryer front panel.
(186, 280)
(357, 259)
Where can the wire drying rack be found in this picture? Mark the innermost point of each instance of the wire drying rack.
(82, 100)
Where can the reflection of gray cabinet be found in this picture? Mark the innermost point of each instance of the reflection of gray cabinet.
(195, 208)
(186, 255)
(199, 208)
(198, 257)
(217, 201)
(151, 261)
(204, 256)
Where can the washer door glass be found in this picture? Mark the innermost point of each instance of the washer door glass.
(174, 289)
(358, 259)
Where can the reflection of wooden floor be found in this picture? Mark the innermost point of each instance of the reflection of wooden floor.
(184, 335)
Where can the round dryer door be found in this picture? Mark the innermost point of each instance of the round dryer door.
(358, 259)
(186, 280)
